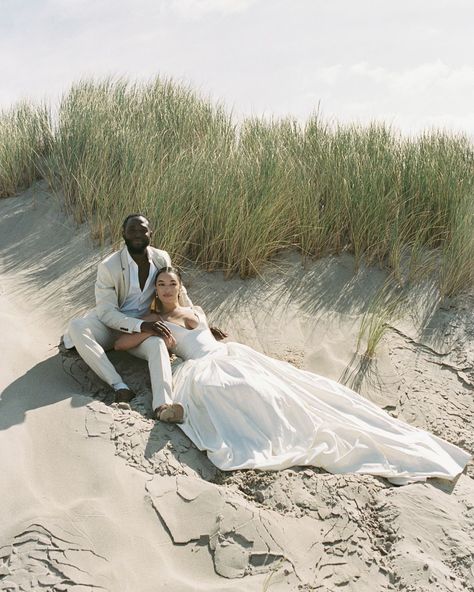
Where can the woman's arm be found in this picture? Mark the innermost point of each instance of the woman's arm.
(218, 334)
(130, 340)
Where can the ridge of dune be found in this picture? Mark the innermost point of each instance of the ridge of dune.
(95, 497)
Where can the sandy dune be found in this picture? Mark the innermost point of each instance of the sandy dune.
(98, 498)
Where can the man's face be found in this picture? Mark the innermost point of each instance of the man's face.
(137, 235)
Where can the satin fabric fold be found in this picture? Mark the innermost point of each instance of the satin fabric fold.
(250, 411)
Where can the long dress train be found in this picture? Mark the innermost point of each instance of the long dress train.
(250, 411)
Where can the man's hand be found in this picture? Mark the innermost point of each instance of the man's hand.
(219, 334)
(159, 329)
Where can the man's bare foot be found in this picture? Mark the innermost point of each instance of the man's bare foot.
(173, 413)
(124, 396)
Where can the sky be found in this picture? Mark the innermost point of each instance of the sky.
(409, 63)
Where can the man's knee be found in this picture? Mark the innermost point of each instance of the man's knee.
(155, 346)
(88, 327)
(77, 327)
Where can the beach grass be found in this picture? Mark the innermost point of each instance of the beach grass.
(25, 137)
(386, 306)
(230, 195)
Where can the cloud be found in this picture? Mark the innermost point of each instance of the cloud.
(255, 56)
(85, 10)
(422, 78)
(200, 8)
(329, 75)
(433, 94)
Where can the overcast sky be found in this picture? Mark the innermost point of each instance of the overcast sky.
(408, 62)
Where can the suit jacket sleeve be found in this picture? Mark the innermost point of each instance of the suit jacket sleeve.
(107, 305)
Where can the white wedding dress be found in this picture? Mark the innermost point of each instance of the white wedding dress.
(249, 411)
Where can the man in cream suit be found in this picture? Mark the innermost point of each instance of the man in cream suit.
(124, 290)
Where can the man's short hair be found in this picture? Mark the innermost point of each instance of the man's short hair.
(130, 216)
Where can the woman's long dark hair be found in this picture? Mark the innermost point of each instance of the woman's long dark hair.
(156, 304)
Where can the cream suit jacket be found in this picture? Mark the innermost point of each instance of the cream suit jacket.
(113, 284)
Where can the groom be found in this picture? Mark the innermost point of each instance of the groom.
(124, 290)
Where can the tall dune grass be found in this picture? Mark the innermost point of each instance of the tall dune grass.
(231, 196)
(25, 136)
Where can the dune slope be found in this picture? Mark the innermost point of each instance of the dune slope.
(98, 498)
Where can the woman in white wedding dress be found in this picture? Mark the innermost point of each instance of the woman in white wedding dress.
(250, 411)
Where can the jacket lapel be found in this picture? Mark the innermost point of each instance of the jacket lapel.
(125, 274)
(157, 259)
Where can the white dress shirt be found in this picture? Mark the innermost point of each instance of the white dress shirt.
(137, 302)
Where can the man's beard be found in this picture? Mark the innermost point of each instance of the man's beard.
(137, 250)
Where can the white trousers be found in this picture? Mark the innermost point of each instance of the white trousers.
(92, 338)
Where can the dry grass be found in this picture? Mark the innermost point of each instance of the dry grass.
(230, 197)
(25, 137)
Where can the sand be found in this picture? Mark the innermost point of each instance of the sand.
(98, 498)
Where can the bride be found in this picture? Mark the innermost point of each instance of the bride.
(250, 411)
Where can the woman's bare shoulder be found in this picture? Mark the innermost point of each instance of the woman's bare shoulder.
(199, 312)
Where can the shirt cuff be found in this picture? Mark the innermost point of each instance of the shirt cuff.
(138, 327)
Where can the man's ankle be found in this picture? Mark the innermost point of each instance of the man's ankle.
(124, 395)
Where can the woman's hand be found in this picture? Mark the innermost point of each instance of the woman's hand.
(159, 329)
(156, 328)
(219, 334)
(170, 342)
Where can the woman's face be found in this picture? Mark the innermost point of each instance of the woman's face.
(167, 287)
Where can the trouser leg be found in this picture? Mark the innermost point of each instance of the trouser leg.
(91, 338)
(154, 351)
